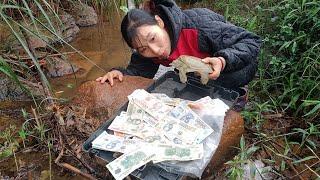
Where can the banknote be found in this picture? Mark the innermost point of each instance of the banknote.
(177, 131)
(185, 114)
(165, 152)
(160, 129)
(149, 103)
(162, 97)
(137, 127)
(127, 163)
(167, 100)
(216, 105)
(124, 124)
(120, 134)
(136, 112)
(114, 143)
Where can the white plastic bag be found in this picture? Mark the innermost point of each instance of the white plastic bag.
(212, 111)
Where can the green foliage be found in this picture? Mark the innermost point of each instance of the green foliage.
(315, 111)
(107, 7)
(255, 114)
(238, 162)
(309, 135)
(288, 79)
(289, 61)
(294, 71)
(8, 143)
(298, 25)
(23, 135)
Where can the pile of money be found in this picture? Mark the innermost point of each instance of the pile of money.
(154, 128)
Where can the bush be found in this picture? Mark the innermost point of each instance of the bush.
(290, 61)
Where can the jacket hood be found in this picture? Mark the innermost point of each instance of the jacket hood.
(172, 17)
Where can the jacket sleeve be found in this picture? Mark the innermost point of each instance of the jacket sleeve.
(238, 46)
(140, 66)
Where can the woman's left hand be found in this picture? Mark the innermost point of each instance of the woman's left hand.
(217, 64)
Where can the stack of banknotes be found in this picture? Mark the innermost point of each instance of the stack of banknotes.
(154, 128)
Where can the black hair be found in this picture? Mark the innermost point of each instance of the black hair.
(134, 19)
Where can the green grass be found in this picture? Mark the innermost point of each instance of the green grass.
(288, 81)
(244, 157)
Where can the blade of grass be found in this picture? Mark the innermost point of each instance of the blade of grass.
(45, 15)
(26, 48)
(6, 69)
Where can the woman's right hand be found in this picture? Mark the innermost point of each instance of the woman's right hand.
(114, 74)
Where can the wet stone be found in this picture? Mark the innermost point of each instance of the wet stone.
(84, 15)
(58, 67)
(69, 29)
(102, 100)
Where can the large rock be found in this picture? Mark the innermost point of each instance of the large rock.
(233, 128)
(58, 67)
(84, 15)
(69, 30)
(102, 100)
(66, 29)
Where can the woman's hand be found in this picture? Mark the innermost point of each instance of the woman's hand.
(217, 64)
(110, 76)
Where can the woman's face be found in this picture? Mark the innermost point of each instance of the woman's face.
(153, 40)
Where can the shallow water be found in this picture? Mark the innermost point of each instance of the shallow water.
(103, 44)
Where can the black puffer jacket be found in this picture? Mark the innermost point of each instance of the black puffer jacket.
(216, 37)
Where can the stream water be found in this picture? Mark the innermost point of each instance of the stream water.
(104, 46)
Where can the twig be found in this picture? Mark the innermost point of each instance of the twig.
(288, 162)
(313, 171)
(61, 152)
(66, 165)
(76, 170)
(309, 167)
(277, 172)
(293, 168)
(59, 157)
(268, 138)
(313, 153)
(90, 169)
(35, 117)
(270, 116)
(41, 57)
(305, 169)
(280, 145)
(258, 171)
